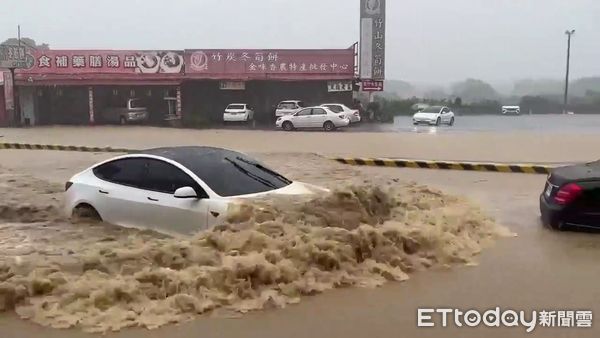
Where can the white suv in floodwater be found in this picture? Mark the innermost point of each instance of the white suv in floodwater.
(288, 107)
(511, 110)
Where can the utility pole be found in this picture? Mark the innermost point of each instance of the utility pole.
(569, 33)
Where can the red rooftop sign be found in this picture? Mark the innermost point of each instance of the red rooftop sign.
(107, 66)
(270, 64)
(106, 61)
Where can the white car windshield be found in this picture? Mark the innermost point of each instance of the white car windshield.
(227, 173)
(236, 107)
(431, 110)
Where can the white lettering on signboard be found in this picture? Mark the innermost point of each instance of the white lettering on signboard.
(44, 62)
(112, 61)
(62, 61)
(130, 61)
(339, 86)
(217, 57)
(78, 61)
(231, 57)
(233, 85)
(96, 61)
(372, 39)
(245, 57)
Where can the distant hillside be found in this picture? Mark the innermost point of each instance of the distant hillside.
(398, 89)
(473, 90)
(550, 87)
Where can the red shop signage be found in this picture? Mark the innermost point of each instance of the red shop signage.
(247, 63)
(105, 62)
(372, 86)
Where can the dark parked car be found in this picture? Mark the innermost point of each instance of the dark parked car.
(571, 197)
(132, 111)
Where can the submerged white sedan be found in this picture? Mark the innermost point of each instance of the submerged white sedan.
(434, 115)
(313, 118)
(174, 190)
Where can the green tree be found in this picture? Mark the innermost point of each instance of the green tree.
(28, 42)
(472, 90)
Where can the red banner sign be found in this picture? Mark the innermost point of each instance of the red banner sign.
(105, 61)
(372, 86)
(107, 66)
(257, 64)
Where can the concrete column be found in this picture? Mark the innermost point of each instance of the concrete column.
(91, 104)
(178, 104)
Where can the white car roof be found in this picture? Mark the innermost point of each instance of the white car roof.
(333, 104)
(290, 101)
(241, 104)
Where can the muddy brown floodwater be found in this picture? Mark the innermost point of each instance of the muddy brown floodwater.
(269, 253)
(538, 270)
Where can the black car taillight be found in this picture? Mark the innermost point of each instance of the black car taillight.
(567, 194)
(68, 185)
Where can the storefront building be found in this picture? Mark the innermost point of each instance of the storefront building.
(78, 86)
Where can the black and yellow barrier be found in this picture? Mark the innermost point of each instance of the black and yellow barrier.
(23, 146)
(445, 165)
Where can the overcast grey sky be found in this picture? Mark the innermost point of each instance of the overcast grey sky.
(428, 40)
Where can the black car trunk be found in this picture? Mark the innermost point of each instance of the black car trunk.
(576, 173)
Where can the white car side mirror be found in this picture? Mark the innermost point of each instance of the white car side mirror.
(186, 192)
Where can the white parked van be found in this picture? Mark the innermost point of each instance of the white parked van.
(288, 107)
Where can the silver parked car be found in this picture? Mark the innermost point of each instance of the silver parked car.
(133, 111)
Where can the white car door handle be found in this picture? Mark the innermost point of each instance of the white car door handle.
(103, 192)
(152, 199)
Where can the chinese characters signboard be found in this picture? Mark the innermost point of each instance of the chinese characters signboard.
(372, 86)
(372, 39)
(111, 62)
(339, 86)
(14, 57)
(236, 65)
(232, 85)
(261, 64)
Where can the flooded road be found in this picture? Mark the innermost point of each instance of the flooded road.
(539, 269)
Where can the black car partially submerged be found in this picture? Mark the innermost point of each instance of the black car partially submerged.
(571, 197)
